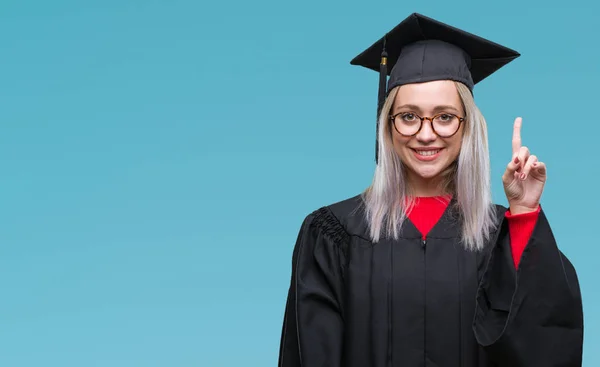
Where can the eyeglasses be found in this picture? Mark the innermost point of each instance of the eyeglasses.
(444, 125)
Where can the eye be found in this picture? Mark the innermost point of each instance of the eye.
(407, 116)
(446, 117)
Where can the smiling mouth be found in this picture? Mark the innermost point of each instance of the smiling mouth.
(427, 153)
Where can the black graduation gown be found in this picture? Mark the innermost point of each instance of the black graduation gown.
(428, 303)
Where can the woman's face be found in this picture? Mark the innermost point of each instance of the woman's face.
(427, 154)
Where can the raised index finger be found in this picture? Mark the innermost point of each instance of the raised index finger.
(516, 140)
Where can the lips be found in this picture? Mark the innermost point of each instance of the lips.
(428, 154)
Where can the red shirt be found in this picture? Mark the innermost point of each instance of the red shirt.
(427, 211)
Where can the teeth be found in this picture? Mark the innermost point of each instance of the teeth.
(427, 152)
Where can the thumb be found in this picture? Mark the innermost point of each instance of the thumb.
(511, 168)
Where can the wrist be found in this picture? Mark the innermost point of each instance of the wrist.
(520, 209)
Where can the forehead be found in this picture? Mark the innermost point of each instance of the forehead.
(427, 96)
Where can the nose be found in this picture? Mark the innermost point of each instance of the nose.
(426, 134)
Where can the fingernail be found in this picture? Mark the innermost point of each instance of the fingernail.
(535, 164)
(523, 176)
(516, 159)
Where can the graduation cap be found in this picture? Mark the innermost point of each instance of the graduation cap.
(422, 49)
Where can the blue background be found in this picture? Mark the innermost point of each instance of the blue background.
(158, 157)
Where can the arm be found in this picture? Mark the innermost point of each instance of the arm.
(533, 316)
(520, 227)
(313, 321)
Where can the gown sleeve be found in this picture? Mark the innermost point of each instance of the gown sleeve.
(532, 316)
(312, 334)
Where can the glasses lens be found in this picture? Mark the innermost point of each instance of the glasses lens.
(445, 124)
(407, 123)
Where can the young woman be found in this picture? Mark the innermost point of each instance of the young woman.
(422, 269)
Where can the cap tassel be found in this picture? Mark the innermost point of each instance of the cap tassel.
(381, 96)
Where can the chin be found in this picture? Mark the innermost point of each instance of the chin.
(427, 172)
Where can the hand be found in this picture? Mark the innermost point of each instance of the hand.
(524, 177)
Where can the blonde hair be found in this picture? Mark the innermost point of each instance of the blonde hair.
(388, 199)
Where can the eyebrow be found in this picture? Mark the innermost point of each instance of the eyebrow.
(436, 109)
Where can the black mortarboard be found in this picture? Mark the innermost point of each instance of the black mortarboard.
(421, 49)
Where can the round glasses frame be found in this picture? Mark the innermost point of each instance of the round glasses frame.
(422, 119)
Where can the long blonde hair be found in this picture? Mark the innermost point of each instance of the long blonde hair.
(388, 199)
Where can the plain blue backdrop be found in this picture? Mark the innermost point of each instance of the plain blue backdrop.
(158, 157)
